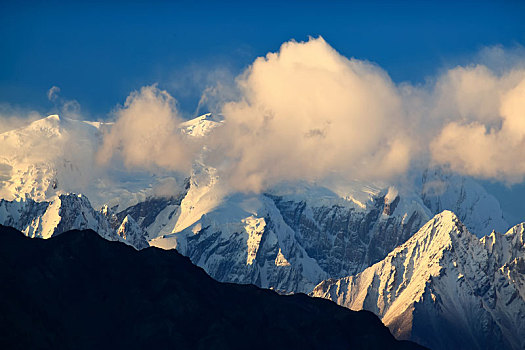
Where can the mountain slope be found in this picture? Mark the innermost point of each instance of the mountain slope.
(79, 291)
(131, 232)
(444, 288)
(48, 219)
(289, 239)
(67, 212)
(475, 207)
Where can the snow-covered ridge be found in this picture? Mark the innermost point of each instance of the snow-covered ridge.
(66, 212)
(444, 280)
(132, 233)
(477, 209)
(37, 160)
(292, 237)
(288, 239)
(201, 126)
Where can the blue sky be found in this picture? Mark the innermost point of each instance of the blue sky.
(98, 52)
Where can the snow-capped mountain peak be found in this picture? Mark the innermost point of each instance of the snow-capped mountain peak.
(46, 157)
(47, 219)
(130, 231)
(476, 208)
(443, 280)
(202, 125)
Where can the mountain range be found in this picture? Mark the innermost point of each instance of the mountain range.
(332, 240)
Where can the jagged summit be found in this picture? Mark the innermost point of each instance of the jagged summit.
(290, 238)
(69, 211)
(444, 280)
(132, 233)
(48, 219)
(444, 229)
(409, 266)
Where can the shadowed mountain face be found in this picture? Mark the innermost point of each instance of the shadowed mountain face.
(80, 291)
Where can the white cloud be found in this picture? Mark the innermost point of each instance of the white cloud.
(307, 112)
(12, 117)
(167, 187)
(146, 133)
(490, 143)
(71, 109)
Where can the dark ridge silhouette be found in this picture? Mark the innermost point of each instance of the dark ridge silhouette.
(79, 291)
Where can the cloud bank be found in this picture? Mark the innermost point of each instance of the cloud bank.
(308, 113)
(487, 137)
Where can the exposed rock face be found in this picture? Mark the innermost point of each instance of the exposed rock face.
(343, 239)
(131, 232)
(48, 219)
(155, 213)
(444, 281)
(243, 238)
(64, 213)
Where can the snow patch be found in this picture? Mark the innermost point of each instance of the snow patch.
(280, 260)
(254, 227)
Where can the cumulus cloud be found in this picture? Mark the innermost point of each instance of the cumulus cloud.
(146, 133)
(488, 138)
(307, 112)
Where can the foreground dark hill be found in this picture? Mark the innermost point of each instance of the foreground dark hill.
(80, 291)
